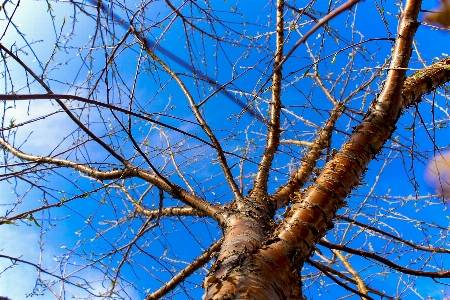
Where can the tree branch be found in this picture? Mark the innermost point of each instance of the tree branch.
(66, 109)
(220, 153)
(273, 134)
(127, 172)
(334, 13)
(387, 262)
(321, 142)
(345, 277)
(165, 52)
(359, 282)
(183, 274)
(324, 271)
(403, 241)
(21, 97)
(40, 269)
(311, 215)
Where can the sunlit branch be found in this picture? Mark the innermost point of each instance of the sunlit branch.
(127, 172)
(183, 274)
(390, 235)
(302, 175)
(175, 165)
(42, 281)
(170, 211)
(200, 119)
(385, 261)
(297, 143)
(345, 277)
(424, 81)
(301, 118)
(175, 211)
(359, 282)
(322, 86)
(115, 174)
(273, 131)
(324, 271)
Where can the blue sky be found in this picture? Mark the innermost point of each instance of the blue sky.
(81, 225)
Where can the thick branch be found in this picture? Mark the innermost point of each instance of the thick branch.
(127, 172)
(424, 81)
(273, 134)
(299, 179)
(311, 216)
(169, 211)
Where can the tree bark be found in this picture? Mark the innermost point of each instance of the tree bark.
(252, 265)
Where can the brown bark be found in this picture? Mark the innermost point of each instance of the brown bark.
(273, 135)
(257, 258)
(249, 268)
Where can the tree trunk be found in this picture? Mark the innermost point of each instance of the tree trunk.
(254, 264)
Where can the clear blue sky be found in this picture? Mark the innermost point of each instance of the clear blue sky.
(78, 223)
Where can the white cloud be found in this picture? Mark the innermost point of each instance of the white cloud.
(18, 242)
(23, 242)
(41, 136)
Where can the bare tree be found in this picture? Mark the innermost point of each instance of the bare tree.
(185, 148)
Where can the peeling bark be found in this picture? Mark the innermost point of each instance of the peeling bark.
(272, 270)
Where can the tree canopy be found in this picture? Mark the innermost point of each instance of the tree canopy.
(224, 149)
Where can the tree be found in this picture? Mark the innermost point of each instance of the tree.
(174, 149)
